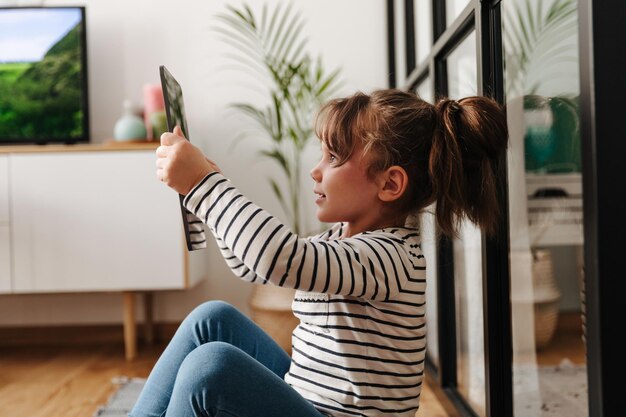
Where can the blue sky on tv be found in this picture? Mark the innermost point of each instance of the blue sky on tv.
(27, 34)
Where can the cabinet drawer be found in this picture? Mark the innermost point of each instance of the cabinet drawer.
(4, 190)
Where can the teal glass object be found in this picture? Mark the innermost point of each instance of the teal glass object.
(553, 145)
(539, 146)
(130, 126)
(566, 130)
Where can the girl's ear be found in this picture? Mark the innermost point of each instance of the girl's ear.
(394, 182)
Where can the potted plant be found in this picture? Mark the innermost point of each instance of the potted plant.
(272, 48)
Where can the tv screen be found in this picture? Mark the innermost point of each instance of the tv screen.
(43, 75)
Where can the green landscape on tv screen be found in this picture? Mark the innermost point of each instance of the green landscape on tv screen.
(41, 75)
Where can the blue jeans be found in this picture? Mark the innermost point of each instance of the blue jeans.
(220, 363)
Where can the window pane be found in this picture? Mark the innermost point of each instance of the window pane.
(462, 69)
(545, 207)
(453, 9)
(468, 283)
(467, 250)
(426, 90)
(423, 29)
(400, 42)
(429, 248)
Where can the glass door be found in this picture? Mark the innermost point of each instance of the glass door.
(548, 304)
(545, 207)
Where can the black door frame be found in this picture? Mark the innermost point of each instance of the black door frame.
(603, 138)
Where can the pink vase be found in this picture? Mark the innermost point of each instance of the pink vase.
(153, 102)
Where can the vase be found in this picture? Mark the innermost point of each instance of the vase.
(129, 127)
(539, 144)
(154, 111)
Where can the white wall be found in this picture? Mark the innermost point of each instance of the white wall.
(127, 41)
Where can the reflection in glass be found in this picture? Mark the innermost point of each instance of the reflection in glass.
(545, 203)
(467, 251)
(453, 9)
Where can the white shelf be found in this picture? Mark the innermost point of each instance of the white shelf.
(555, 221)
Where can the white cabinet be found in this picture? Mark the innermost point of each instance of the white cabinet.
(5, 259)
(5, 244)
(4, 189)
(94, 221)
(88, 218)
(555, 209)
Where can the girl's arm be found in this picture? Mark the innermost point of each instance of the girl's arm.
(375, 265)
(234, 263)
(237, 266)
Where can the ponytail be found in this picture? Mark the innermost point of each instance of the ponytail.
(468, 144)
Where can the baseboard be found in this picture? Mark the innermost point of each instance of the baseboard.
(78, 335)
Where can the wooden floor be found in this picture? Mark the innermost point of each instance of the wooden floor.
(566, 344)
(72, 381)
(66, 381)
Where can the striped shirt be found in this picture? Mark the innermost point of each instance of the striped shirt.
(360, 346)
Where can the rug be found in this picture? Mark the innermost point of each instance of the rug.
(553, 391)
(123, 400)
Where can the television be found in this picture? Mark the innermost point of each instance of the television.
(43, 75)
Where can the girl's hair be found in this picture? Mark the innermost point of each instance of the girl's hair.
(451, 151)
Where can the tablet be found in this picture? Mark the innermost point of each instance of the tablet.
(175, 114)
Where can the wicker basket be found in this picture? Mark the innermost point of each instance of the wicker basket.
(270, 308)
(546, 319)
(546, 298)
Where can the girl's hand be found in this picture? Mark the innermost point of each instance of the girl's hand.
(180, 165)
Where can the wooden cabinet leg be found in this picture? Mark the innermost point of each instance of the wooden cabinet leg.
(130, 326)
(148, 317)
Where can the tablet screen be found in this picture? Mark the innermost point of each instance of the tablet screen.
(174, 105)
(175, 113)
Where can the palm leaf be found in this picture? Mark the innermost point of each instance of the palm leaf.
(289, 37)
(278, 156)
(534, 33)
(239, 42)
(244, 62)
(278, 33)
(255, 114)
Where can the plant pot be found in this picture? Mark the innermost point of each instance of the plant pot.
(270, 308)
(546, 319)
(546, 298)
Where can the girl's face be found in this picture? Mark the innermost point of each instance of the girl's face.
(345, 193)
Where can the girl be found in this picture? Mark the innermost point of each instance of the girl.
(360, 346)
